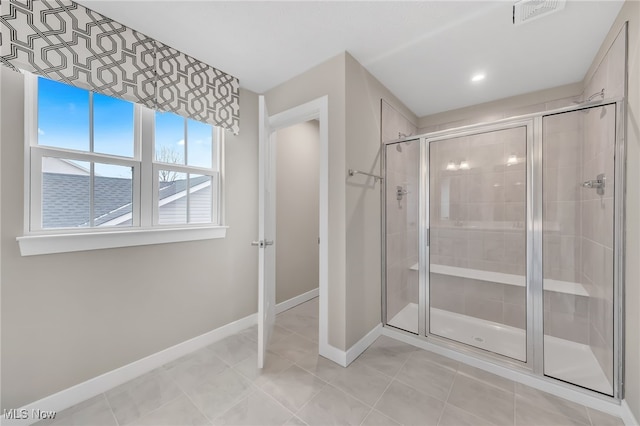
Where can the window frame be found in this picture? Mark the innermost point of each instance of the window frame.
(144, 228)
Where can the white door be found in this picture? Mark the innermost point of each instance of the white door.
(266, 233)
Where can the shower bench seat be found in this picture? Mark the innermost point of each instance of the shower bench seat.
(558, 286)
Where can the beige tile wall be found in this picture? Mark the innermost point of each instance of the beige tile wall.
(403, 169)
(402, 219)
(597, 211)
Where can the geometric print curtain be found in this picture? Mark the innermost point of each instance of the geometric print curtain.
(67, 42)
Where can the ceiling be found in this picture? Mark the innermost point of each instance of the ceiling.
(425, 52)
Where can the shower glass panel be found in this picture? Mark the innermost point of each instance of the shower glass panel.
(477, 254)
(578, 238)
(402, 185)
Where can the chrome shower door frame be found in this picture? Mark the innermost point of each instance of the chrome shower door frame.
(531, 286)
(534, 364)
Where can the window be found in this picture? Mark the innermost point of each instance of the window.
(100, 164)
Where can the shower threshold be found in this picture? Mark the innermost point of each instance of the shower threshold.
(563, 359)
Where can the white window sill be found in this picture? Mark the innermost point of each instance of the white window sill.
(32, 245)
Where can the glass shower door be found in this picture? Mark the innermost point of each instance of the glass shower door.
(477, 254)
(402, 186)
(578, 246)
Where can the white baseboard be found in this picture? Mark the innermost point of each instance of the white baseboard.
(627, 415)
(361, 345)
(295, 301)
(608, 406)
(92, 387)
(344, 358)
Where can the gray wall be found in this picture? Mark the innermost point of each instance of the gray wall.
(297, 192)
(70, 317)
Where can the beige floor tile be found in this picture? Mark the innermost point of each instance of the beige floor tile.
(435, 358)
(430, 378)
(273, 365)
(295, 421)
(528, 414)
(598, 418)
(453, 416)
(487, 377)
(333, 407)
(195, 368)
(136, 398)
(384, 357)
(551, 403)
(409, 406)
(294, 347)
(255, 409)
(234, 349)
(296, 321)
(320, 366)
(362, 382)
(293, 387)
(376, 418)
(215, 396)
(482, 400)
(179, 412)
(95, 411)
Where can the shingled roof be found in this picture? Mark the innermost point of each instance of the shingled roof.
(65, 198)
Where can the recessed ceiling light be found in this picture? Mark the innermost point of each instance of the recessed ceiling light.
(478, 77)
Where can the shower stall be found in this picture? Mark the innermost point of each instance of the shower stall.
(504, 240)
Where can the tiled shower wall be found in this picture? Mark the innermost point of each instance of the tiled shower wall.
(565, 315)
(598, 211)
(403, 169)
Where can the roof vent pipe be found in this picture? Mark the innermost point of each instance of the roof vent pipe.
(529, 10)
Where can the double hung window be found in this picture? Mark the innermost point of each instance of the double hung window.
(98, 164)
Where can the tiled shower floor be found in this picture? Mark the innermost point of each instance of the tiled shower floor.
(390, 383)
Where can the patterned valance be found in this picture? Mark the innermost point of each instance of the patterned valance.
(67, 42)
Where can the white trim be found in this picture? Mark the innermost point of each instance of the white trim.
(526, 378)
(344, 358)
(627, 415)
(295, 301)
(318, 109)
(333, 354)
(361, 345)
(97, 385)
(63, 243)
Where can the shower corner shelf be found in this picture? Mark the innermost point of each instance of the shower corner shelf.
(557, 286)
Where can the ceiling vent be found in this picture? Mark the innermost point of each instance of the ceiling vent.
(529, 10)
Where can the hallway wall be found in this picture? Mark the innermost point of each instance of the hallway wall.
(297, 207)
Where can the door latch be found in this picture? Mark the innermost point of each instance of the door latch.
(262, 243)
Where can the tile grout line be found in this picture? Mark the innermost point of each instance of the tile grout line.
(455, 376)
(159, 407)
(390, 382)
(189, 397)
(515, 406)
(278, 402)
(104, 394)
(589, 416)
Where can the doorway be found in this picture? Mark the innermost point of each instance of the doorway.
(297, 179)
(269, 124)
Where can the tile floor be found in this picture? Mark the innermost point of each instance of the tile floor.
(390, 383)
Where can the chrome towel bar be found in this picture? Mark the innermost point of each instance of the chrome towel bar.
(358, 172)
